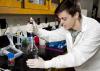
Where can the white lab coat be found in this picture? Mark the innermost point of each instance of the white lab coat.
(84, 53)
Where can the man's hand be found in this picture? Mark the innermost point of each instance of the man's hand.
(32, 26)
(35, 63)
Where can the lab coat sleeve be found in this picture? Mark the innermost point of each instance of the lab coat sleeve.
(87, 47)
(57, 34)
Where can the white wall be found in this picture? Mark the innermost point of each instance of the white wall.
(23, 19)
(87, 4)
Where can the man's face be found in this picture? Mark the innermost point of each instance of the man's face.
(66, 20)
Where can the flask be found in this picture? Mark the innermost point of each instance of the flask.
(32, 49)
(30, 46)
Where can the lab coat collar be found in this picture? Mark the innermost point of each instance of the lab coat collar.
(83, 22)
(83, 29)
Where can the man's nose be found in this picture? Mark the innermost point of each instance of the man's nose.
(61, 22)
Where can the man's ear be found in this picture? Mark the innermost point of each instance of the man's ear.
(76, 16)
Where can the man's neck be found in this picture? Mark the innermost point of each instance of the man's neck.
(77, 25)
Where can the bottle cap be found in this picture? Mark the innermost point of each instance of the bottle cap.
(29, 34)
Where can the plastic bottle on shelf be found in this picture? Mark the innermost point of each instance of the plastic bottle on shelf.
(41, 2)
(36, 1)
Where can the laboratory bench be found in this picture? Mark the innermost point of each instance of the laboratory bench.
(44, 51)
(20, 62)
(20, 65)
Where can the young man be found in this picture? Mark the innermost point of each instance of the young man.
(83, 48)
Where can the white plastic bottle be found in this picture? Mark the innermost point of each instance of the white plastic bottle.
(36, 1)
(41, 2)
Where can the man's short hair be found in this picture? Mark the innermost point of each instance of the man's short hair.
(71, 6)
